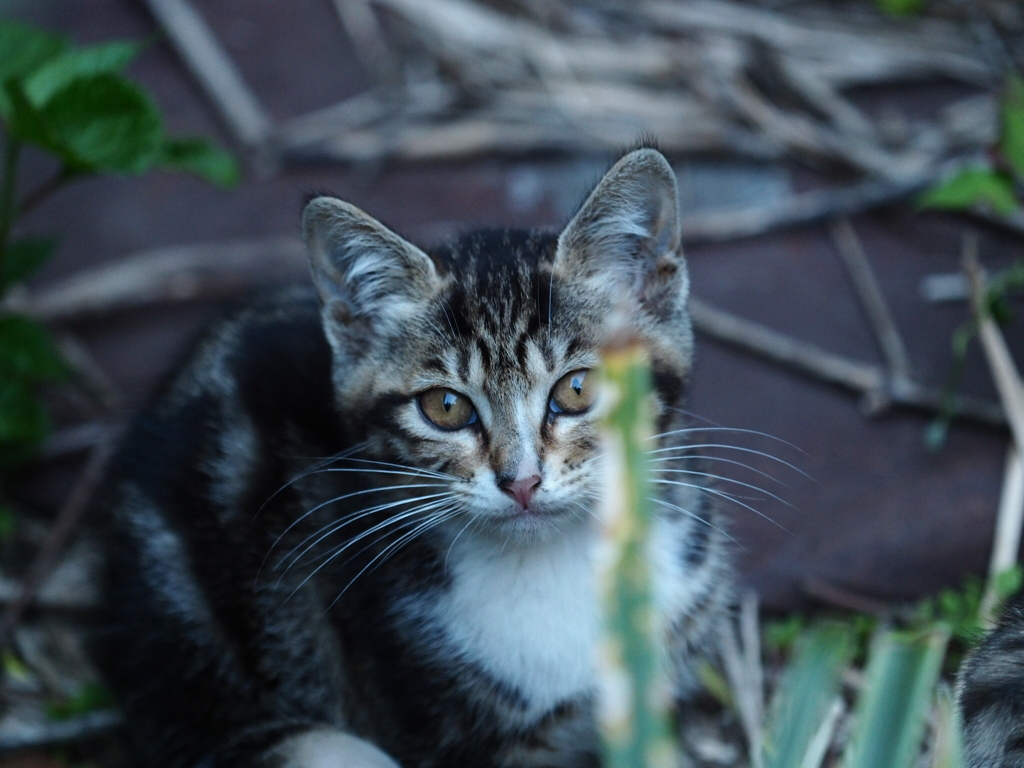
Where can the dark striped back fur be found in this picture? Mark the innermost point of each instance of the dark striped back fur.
(355, 529)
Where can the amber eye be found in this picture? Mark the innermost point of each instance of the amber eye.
(447, 409)
(574, 393)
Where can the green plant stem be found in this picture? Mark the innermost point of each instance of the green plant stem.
(12, 149)
(636, 730)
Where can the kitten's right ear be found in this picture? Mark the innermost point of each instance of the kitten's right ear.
(364, 273)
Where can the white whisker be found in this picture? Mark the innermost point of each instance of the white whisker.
(320, 464)
(336, 525)
(739, 448)
(738, 430)
(703, 457)
(414, 470)
(690, 514)
(389, 550)
(472, 520)
(336, 499)
(729, 480)
(729, 497)
(336, 552)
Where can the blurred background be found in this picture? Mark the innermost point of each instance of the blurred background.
(806, 136)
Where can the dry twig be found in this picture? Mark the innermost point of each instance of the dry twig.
(870, 294)
(174, 274)
(67, 518)
(1006, 544)
(213, 69)
(810, 359)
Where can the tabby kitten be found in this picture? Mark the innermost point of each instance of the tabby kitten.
(992, 694)
(355, 529)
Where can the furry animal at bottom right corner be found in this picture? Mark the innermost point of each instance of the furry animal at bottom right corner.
(991, 694)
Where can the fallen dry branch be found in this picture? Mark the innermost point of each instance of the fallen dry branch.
(64, 525)
(870, 294)
(800, 208)
(174, 274)
(72, 440)
(870, 381)
(1006, 544)
(838, 597)
(207, 61)
(464, 77)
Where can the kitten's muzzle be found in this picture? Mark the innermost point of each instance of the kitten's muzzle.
(521, 489)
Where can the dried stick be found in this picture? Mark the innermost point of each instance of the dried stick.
(1004, 371)
(843, 53)
(831, 368)
(67, 518)
(1006, 544)
(750, 633)
(799, 355)
(743, 670)
(90, 374)
(49, 598)
(72, 440)
(871, 298)
(177, 273)
(49, 733)
(368, 41)
(1006, 539)
(213, 69)
(801, 208)
(832, 594)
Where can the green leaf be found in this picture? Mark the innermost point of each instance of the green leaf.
(24, 257)
(88, 698)
(23, 420)
(1011, 142)
(780, 635)
(1008, 583)
(892, 712)
(900, 7)
(24, 49)
(16, 668)
(194, 155)
(26, 122)
(26, 352)
(971, 187)
(104, 123)
(61, 71)
(948, 749)
(809, 686)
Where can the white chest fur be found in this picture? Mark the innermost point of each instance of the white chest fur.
(529, 616)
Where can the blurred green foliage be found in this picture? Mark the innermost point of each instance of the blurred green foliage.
(996, 185)
(74, 104)
(88, 698)
(900, 7)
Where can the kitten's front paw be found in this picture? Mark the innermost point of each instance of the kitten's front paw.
(327, 748)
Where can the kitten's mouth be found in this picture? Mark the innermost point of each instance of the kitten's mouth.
(530, 518)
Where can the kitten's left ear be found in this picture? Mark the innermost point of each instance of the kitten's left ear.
(628, 229)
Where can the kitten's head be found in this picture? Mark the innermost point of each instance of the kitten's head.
(475, 360)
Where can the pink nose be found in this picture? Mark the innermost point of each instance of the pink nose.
(521, 489)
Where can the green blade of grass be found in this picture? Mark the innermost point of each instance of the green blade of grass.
(899, 684)
(808, 687)
(948, 746)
